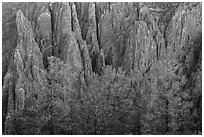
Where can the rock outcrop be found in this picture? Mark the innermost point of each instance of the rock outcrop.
(25, 76)
(147, 38)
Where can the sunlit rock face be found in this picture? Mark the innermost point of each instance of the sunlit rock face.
(184, 26)
(25, 78)
(28, 60)
(161, 30)
(148, 38)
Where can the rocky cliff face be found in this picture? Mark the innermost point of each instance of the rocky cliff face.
(25, 76)
(86, 37)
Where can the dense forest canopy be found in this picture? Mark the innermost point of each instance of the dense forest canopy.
(101, 68)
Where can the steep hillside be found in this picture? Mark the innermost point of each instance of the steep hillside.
(102, 68)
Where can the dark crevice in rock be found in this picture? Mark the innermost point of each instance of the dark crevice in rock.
(52, 26)
(72, 18)
(97, 14)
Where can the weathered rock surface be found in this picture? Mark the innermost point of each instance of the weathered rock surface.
(86, 61)
(184, 26)
(156, 33)
(26, 71)
(91, 36)
(85, 37)
(26, 75)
